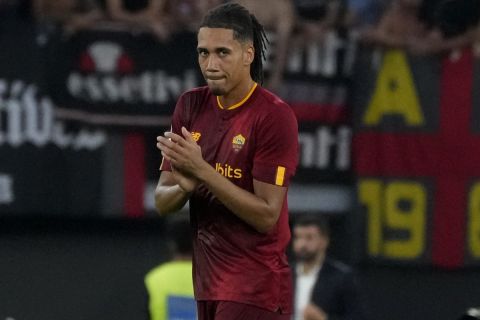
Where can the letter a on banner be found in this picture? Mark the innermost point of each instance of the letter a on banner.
(395, 92)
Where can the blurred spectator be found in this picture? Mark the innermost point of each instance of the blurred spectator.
(427, 27)
(455, 25)
(149, 14)
(71, 15)
(324, 288)
(399, 26)
(187, 14)
(362, 13)
(314, 18)
(428, 10)
(277, 16)
(454, 18)
(15, 10)
(170, 285)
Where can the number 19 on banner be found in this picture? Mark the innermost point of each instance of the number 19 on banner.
(396, 218)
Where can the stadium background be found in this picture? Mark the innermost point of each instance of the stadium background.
(388, 153)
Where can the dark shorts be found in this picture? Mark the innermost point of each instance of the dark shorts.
(229, 310)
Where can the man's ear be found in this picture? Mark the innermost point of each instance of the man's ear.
(248, 55)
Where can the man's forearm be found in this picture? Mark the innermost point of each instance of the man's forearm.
(249, 207)
(169, 199)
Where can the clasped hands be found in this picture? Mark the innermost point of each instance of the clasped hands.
(185, 157)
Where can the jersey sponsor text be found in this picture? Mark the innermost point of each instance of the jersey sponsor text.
(228, 171)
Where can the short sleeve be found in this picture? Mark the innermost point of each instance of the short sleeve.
(276, 154)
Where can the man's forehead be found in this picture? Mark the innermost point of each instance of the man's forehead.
(224, 34)
(217, 37)
(307, 229)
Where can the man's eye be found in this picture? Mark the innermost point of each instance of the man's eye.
(223, 52)
(203, 53)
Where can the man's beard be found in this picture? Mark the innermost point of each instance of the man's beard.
(216, 91)
(306, 256)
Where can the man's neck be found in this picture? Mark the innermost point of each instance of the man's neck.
(237, 94)
(311, 265)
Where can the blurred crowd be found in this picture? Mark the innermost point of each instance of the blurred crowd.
(418, 26)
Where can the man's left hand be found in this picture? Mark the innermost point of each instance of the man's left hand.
(312, 312)
(183, 152)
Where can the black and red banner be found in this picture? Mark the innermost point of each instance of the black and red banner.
(316, 85)
(45, 163)
(79, 116)
(417, 158)
(118, 78)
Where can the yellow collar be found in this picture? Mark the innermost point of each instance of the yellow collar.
(236, 105)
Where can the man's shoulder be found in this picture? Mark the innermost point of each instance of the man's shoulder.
(193, 100)
(269, 98)
(196, 92)
(337, 266)
(272, 107)
(336, 274)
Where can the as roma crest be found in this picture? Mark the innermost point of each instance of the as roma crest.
(237, 142)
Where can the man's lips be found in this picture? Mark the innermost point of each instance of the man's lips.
(214, 78)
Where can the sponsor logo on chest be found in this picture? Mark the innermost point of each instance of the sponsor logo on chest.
(228, 171)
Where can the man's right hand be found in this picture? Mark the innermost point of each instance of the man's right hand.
(186, 182)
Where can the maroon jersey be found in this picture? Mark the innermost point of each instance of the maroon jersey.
(257, 139)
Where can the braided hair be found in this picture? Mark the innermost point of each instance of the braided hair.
(245, 27)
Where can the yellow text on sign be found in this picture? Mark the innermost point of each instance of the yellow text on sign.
(473, 226)
(394, 207)
(395, 92)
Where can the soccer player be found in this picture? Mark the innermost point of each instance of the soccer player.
(232, 151)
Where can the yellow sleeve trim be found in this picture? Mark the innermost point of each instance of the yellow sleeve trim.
(280, 176)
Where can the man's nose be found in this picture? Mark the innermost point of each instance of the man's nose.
(212, 63)
(300, 244)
